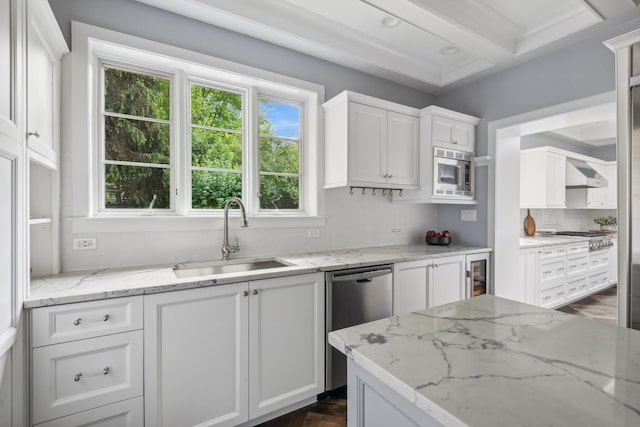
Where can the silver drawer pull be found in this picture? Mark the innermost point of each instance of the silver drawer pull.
(79, 320)
(80, 375)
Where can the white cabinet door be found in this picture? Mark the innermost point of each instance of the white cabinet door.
(367, 144)
(45, 47)
(286, 341)
(528, 275)
(448, 280)
(556, 180)
(597, 197)
(613, 262)
(410, 286)
(403, 165)
(611, 198)
(453, 134)
(196, 357)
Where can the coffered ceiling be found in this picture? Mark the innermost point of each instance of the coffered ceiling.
(427, 44)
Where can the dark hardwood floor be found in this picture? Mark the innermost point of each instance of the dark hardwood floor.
(328, 412)
(602, 306)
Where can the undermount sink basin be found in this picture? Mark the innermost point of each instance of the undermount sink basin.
(222, 267)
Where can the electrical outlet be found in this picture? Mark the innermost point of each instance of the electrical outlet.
(470, 215)
(86, 243)
(397, 229)
(313, 234)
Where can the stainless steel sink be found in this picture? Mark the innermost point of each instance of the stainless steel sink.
(222, 267)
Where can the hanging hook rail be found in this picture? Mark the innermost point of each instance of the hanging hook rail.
(374, 190)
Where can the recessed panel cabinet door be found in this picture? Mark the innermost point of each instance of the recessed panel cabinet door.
(410, 286)
(196, 357)
(448, 282)
(286, 341)
(42, 73)
(403, 149)
(367, 144)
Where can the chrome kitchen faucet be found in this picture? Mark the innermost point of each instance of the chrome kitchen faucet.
(228, 249)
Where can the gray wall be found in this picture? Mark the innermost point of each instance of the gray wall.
(577, 71)
(140, 20)
(606, 152)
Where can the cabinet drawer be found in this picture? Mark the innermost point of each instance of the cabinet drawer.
(63, 323)
(577, 286)
(598, 280)
(552, 270)
(552, 252)
(577, 265)
(552, 296)
(598, 259)
(129, 413)
(80, 375)
(578, 248)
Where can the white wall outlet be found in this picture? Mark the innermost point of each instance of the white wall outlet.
(397, 229)
(313, 234)
(85, 243)
(470, 215)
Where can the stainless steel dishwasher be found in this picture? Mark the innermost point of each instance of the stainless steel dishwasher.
(354, 296)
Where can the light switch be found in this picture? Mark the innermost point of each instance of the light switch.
(469, 215)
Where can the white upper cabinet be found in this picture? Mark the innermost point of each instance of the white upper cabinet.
(370, 143)
(446, 129)
(45, 48)
(542, 178)
(11, 68)
(452, 133)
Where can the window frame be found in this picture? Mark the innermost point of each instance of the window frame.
(95, 44)
(100, 181)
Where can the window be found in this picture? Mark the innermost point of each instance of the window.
(216, 146)
(279, 153)
(136, 160)
(163, 131)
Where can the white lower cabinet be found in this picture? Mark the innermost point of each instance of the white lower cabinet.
(128, 413)
(222, 355)
(80, 364)
(428, 283)
(448, 282)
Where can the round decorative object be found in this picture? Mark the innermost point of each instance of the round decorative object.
(439, 241)
(606, 227)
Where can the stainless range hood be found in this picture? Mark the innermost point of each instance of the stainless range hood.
(581, 175)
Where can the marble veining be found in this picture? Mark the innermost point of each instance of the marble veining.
(489, 361)
(113, 282)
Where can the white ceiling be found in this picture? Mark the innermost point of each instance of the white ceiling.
(483, 35)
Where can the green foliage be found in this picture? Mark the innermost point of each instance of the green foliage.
(216, 141)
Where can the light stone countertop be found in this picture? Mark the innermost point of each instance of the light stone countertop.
(120, 282)
(539, 241)
(492, 362)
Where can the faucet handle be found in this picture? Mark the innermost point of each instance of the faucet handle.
(236, 248)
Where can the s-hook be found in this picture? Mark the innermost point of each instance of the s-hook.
(384, 190)
(364, 191)
(373, 193)
(400, 194)
(351, 191)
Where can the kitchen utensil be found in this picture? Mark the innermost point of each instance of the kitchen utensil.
(529, 224)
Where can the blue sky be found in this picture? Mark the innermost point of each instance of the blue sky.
(285, 118)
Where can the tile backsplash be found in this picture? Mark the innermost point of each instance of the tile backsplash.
(565, 219)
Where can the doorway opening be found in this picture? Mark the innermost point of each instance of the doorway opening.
(536, 130)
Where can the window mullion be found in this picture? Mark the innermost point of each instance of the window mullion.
(252, 171)
(181, 190)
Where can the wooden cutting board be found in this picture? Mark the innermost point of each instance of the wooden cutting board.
(529, 224)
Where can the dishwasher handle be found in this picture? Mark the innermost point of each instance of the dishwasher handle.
(361, 277)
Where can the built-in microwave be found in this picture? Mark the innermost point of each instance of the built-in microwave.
(452, 173)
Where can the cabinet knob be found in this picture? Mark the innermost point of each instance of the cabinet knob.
(35, 133)
(455, 142)
(389, 176)
(255, 292)
(245, 294)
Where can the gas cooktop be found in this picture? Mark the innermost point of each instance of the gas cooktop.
(581, 233)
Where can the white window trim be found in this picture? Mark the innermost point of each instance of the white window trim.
(91, 42)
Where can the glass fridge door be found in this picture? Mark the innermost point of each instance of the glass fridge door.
(478, 282)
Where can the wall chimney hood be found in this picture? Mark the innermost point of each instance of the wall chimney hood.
(581, 175)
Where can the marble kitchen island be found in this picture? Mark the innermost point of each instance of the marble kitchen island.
(488, 361)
